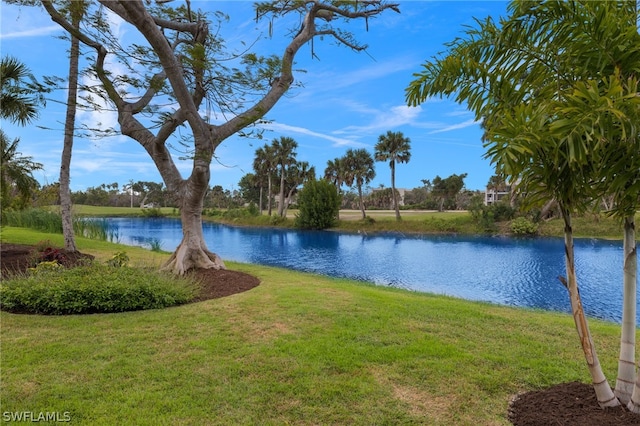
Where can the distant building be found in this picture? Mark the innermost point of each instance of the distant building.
(493, 195)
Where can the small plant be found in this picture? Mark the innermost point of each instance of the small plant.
(45, 266)
(118, 260)
(47, 252)
(156, 245)
(523, 226)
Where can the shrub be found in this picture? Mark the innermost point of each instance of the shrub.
(118, 260)
(152, 212)
(318, 204)
(93, 289)
(523, 226)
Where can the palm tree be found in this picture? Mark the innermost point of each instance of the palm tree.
(393, 147)
(20, 94)
(334, 173)
(264, 165)
(285, 156)
(359, 170)
(16, 174)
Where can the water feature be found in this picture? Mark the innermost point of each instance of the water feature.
(516, 272)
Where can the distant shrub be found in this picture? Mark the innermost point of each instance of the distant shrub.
(318, 205)
(240, 212)
(93, 289)
(152, 212)
(523, 226)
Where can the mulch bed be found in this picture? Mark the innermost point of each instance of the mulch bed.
(565, 404)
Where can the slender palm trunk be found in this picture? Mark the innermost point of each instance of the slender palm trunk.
(281, 195)
(269, 197)
(604, 393)
(626, 363)
(260, 201)
(364, 216)
(393, 190)
(69, 125)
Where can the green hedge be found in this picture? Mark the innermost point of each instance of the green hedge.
(55, 290)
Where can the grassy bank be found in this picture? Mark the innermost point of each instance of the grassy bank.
(413, 221)
(299, 349)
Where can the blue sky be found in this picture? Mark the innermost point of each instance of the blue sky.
(348, 99)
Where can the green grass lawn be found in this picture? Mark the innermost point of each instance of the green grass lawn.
(299, 349)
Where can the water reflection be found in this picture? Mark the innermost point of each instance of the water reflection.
(499, 270)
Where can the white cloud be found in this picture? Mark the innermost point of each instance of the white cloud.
(457, 126)
(394, 117)
(285, 128)
(35, 32)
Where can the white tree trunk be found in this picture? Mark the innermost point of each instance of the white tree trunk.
(626, 363)
(604, 393)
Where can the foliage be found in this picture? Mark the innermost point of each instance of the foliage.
(38, 219)
(92, 289)
(17, 183)
(152, 212)
(523, 226)
(20, 93)
(446, 190)
(50, 221)
(51, 254)
(118, 260)
(242, 212)
(318, 204)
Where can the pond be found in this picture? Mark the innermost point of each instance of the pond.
(508, 271)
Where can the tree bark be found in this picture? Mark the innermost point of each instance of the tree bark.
(604, 393)
(192, 251)
(69, 125)
(364, 216)
(393, 190)
(626, 363)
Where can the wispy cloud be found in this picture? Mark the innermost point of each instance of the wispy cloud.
(394, 117)
(35, 32)
(285, 128)
(457, 126)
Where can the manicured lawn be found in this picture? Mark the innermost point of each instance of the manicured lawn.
(299, 349)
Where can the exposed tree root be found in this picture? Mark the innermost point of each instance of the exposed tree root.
(186, 258)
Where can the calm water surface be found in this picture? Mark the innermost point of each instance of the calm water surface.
(516, 272)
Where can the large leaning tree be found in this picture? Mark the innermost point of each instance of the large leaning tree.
(182, 59)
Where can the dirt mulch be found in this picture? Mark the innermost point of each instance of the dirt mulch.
(17, 258)
(565, 404)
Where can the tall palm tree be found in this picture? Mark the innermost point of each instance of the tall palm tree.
(20, 94)
(359, 170)
(285, 156)
(334, 173)
(264, 165)
(16, 174)
(395, 148)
